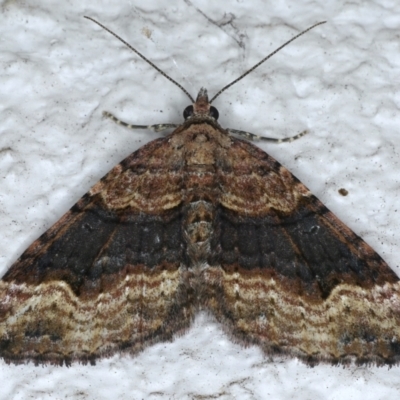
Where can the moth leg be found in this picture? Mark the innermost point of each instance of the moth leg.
(154, 128)
(253, 137)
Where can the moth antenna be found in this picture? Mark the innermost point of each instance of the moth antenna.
(265, 59)
(142, 57)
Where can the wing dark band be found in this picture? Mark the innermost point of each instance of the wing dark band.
(302, 247)
(96, 243)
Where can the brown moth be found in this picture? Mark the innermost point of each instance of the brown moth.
(200, 220)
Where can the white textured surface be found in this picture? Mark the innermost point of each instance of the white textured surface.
(340, 81)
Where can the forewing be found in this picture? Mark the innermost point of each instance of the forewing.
(288, 275)
(107, 276)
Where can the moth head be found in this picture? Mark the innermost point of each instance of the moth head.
(201, 107)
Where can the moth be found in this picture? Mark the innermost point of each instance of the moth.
(200, 220)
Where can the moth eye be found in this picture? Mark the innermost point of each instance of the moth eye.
(214, 112)
(187, 112)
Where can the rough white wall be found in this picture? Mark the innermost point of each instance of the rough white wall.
(340, 81)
